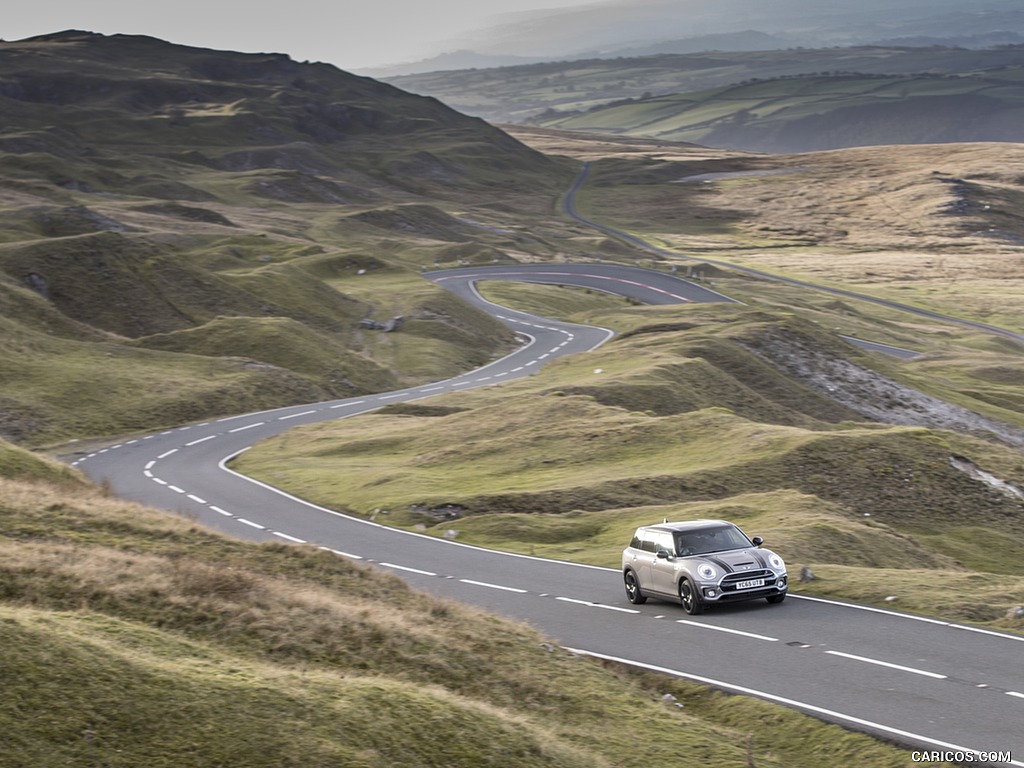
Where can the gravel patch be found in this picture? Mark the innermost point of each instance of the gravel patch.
(871, 394)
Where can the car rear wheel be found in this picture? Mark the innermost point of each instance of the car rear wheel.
(776, 598)
(690, 598)
(636, 597)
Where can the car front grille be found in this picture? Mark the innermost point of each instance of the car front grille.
(728, 583)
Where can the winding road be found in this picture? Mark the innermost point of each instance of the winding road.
(927, 684)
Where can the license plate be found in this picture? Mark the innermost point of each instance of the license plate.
(750, 584)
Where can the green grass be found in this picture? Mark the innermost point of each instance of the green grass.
(135, 637)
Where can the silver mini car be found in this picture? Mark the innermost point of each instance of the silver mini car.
(699, 563)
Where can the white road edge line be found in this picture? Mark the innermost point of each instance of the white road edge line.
(251, 524)
(1014, 693)
(727, 629)
(792, 703)
(888, 664)
(223, 464)
(912, 617)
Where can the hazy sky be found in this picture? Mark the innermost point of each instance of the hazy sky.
(348, 33)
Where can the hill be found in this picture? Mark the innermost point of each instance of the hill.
(518, 94)
(814, 112)
(630, 28)
(178, 223)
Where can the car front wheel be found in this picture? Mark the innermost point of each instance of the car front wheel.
(690, 598)
(636, 597)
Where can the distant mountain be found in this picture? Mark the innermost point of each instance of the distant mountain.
(455, 60)
(820, 112)
(649, 27)
(522, 93)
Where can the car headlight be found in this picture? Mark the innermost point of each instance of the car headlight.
(707, 571)
(776, 562)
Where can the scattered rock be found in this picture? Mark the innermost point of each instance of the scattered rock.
(391, 325)
(971, 469)
(806, 574)
(441, 511)
(1017, 612)
(451, 533)
(891, 599)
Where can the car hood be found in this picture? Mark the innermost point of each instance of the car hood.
(738, 560)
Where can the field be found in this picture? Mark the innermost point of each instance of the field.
(131, 636)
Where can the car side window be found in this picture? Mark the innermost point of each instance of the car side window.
(637, 541)
(664, 541)
(649, 542)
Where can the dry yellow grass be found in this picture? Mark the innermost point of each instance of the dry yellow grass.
(936, 226)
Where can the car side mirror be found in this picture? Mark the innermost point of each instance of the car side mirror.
(662, 554)
(758, 541)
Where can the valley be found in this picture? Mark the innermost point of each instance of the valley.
(201, 253)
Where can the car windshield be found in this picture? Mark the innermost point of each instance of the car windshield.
(705, 540)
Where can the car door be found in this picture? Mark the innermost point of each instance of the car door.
(664, 569)
(641, 558)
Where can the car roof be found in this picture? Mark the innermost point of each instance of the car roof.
(686, 525)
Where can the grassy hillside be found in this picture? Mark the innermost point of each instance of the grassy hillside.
(696, 412)
(185, 233)
(132, 637)
(816, 112)
(518, 94)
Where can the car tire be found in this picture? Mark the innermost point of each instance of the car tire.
(633, 593)
(776, 598)
(690, 598)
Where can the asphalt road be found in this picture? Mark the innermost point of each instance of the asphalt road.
(921, 682)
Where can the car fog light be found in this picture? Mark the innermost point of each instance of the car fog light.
(710, 592)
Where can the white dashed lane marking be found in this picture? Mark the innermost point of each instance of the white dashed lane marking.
(247, 426)
(890, 665)
(589, 604)
(407, 568)
(726, 629)
(295, 415)
(493, 586)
